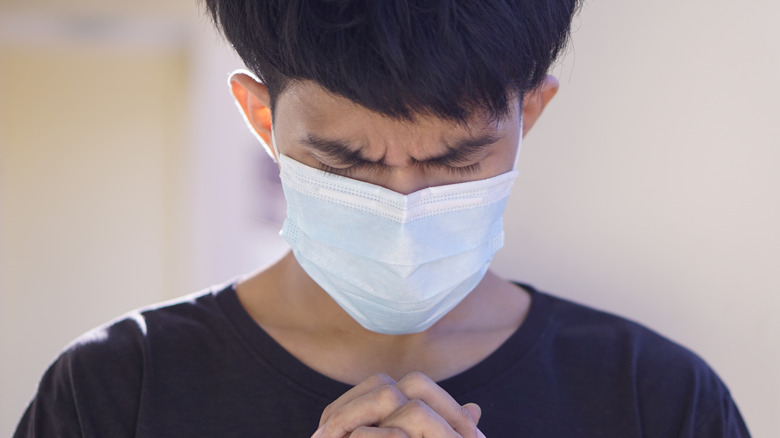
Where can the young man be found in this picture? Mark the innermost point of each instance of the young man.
(396, 126)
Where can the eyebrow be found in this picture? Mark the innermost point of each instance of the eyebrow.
(335, 149)
(457, 153)
(461, 151)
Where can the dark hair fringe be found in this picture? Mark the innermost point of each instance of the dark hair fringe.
(401, 57)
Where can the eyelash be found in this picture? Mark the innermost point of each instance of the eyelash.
(346, 171)
(368, 166)
(462, 170)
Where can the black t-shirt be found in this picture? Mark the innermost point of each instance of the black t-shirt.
(201, 367)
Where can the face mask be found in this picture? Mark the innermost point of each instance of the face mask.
(395, 263)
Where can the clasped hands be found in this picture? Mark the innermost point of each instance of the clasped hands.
(413, 407)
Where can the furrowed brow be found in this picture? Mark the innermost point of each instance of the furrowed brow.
(334, 149)
(462, 151)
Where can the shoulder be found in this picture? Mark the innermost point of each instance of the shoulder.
(95, 382)
(127, 336)
(589, 331)
(673, 388)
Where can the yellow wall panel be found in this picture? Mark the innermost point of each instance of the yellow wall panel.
(90, 152)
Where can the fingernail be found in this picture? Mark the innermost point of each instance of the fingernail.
(317, 434)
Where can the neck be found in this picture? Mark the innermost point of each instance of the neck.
(303, 318)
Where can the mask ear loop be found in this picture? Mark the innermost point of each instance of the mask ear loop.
(274, 149)
(519, 144)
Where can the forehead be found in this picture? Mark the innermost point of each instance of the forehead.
(305, 107)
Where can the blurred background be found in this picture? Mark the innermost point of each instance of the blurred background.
(649, 188)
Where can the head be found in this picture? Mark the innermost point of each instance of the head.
(402, 93)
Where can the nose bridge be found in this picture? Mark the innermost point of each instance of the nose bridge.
(402, 142)
(406, 179)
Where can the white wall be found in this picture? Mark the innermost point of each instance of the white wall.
(237, 202)
(648, 188)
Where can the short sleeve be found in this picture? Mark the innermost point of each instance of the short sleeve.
(681, 395)
(92, 389)
(723, 421)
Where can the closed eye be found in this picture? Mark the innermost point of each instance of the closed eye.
(347, 171)
(452, 170)
(464, 170)
(369, 166)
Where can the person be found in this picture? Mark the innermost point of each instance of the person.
(396, 126)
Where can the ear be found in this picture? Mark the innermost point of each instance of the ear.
(535, 101)
(253, 100)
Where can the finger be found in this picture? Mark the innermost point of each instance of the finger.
(419, 420)
(367, 410)
(359, 390)
(421, 387)
(378, 432)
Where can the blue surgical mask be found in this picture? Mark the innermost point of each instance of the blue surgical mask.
(395, 263)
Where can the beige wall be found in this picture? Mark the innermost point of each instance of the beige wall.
(648, 188)
(92, 138)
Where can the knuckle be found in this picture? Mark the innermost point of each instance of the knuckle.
(417, 377)
(417, 409)
(380, 379)
(327, 413)
(415, 383)
(389, 395)
(336, 418)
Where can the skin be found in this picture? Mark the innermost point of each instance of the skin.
(395, 393)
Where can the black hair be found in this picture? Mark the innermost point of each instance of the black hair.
(401, 57)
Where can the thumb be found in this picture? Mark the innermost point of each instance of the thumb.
(476, 413)
(474, 410)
